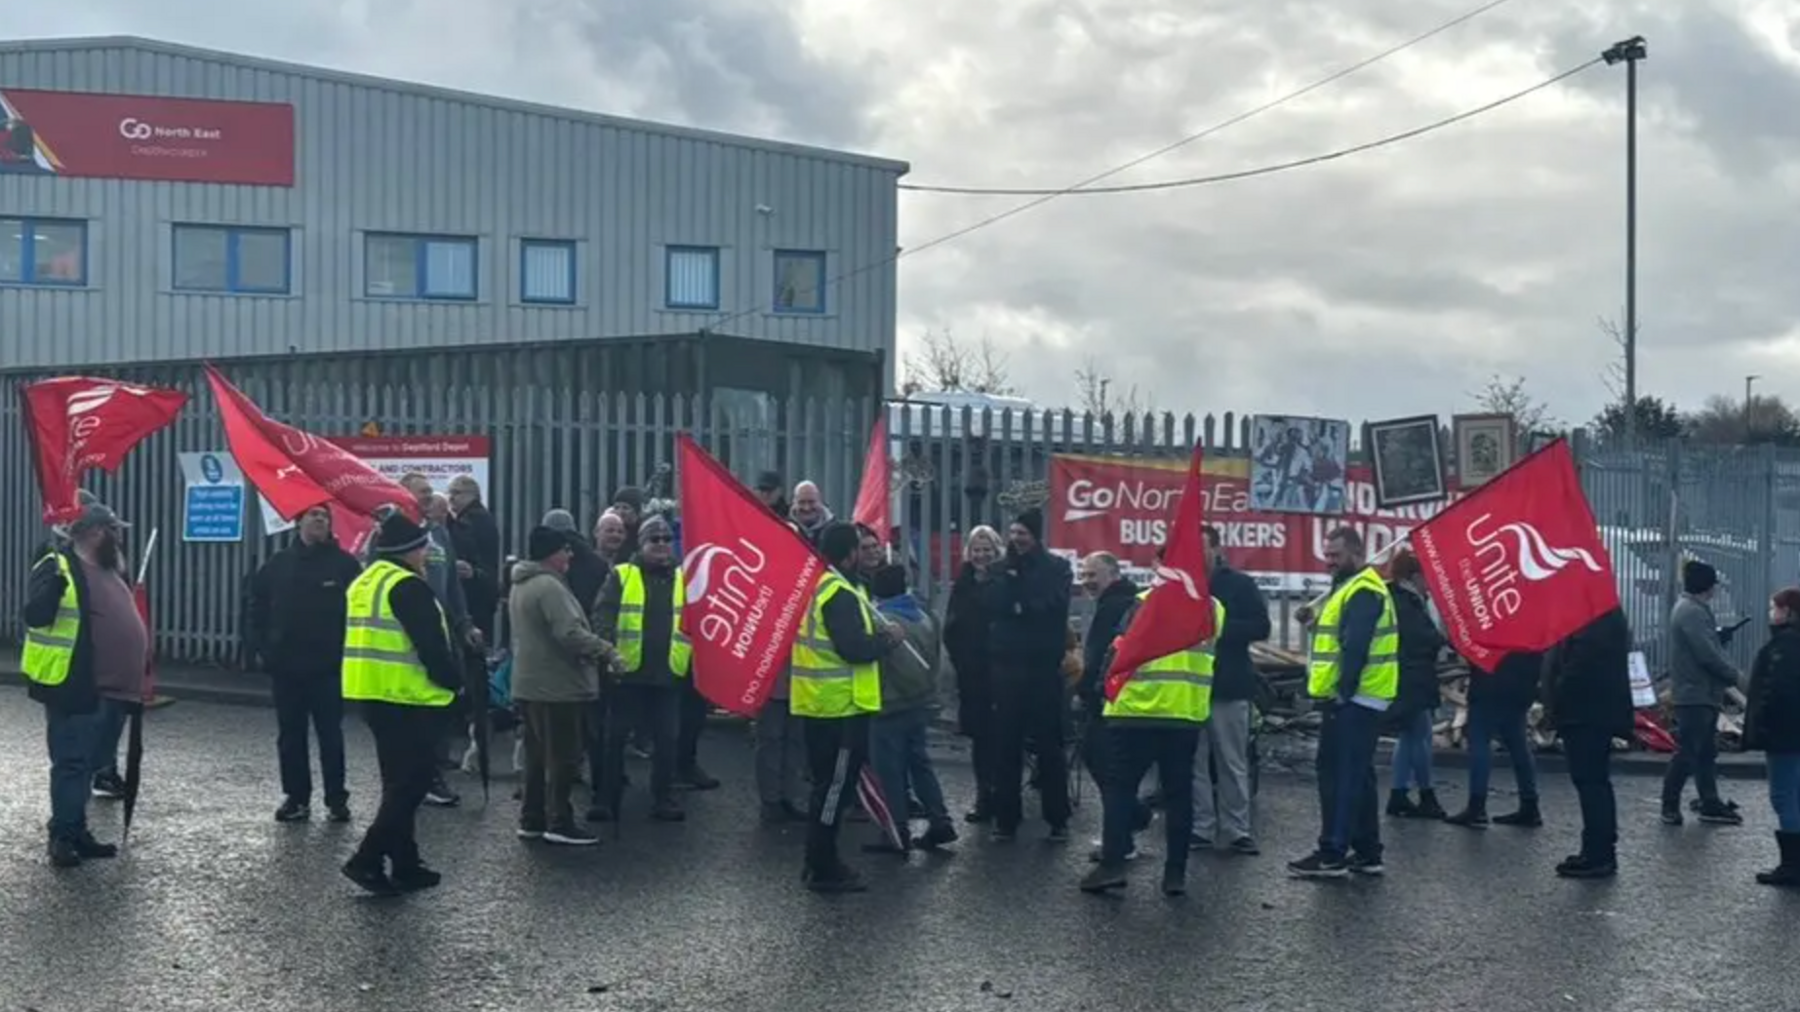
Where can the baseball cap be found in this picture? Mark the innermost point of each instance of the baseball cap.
(96, 514)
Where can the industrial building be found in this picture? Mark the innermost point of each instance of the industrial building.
(165, 204)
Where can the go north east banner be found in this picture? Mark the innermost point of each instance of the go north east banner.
(74, 133)
(1123, 506)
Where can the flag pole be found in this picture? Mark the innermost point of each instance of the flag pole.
(134, 742)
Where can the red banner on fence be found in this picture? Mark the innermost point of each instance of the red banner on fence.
(1122, 505)
(78, 133)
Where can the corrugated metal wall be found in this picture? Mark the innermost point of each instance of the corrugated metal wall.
(397, 159)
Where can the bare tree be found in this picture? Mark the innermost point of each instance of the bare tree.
(1725, 421)
(1503, 396)
(942, 363)
(1614, 377)
(1099, 395)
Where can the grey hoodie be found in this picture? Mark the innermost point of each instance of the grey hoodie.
(440, 574)
(1699, 671)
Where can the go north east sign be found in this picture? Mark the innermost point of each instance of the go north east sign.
(76, 133)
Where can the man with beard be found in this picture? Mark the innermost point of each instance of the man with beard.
(86, 652)
(1353, 678)
(402, 663)
(871, 556)
(808, 512)
(297, 636)
(1029, 604)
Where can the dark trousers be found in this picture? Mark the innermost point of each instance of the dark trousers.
(1588, 751)
(406, 742)
(1348, 811)
(69, 739)
(630, 708)
(835, 753)
(1029, 708)
(976, 715)
(1133, 751)
(554, 736)
(1697, 735)
(693, 710)
(315, 700)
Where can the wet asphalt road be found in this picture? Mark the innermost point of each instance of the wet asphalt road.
(218, 908)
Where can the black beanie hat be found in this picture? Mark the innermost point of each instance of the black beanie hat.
(399, 535)
(544, 542)
(838, 542)
(1697, 577)
(631, 496)
(1033, 521)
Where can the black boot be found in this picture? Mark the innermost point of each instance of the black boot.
(1787, 873)
(1400, 805)
(1527, 817)
(1473, 816)
(1428, 806)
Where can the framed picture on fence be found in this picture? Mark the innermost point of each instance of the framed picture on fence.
(1407, 460)
(1485, 446)
(1297, 465)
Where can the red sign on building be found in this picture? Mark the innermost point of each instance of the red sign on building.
(72, 133)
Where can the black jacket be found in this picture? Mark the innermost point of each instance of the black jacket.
(477, 540)
(1588, 681)
(1027, 600)
(1110, 609)
(1420, 645)
(297, 605)
(43, 598)
(587, 573)
(416, 609)
(1246, 622)
(843, 616)
(1772, 719)
(1513, 686)
(966, 643)
(659, 621)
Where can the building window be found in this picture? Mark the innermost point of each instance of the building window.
(210, 258)
(43, 251)
(419, 267)
(799, 281)
(692, 278)
(547, 271)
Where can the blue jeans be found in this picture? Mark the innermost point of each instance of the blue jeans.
(898, 756)
(1784, 789)
(1412, 752)
(1346, 764)
(1486, 722)
(109, 725)
(70, 739)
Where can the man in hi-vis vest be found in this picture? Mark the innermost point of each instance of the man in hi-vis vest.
(835, 688)
(400, 665)
(1353, 675)
(1154, 721)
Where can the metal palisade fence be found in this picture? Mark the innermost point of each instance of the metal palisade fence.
(953, 467)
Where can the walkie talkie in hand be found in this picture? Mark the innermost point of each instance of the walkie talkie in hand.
(1726, 632)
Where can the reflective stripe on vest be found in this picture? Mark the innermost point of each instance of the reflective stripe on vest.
(50, 653)
(631, 622)
(1380, 680)
(381, 664)
(1176, 686)
(822, 684)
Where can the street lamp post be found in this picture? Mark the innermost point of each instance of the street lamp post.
(1629, 52)
(1748, 381)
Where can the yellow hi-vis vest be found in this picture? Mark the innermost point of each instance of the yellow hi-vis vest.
(822, 684)
(631, 622)
(1176, 686)
(1380, 681)
(49, 653)
(381, 664)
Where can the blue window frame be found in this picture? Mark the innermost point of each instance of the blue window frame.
(434, 267)
(43, 251)
(799, 281)
(547, 271)
(691, 277)
(218, 258)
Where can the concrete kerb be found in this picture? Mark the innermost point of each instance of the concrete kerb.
(248, 688)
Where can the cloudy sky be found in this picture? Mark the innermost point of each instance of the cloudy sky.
(1391, 283)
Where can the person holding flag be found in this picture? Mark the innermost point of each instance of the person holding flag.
(86, 653)
(1353, 675)
(834, 688)
(399, 662)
